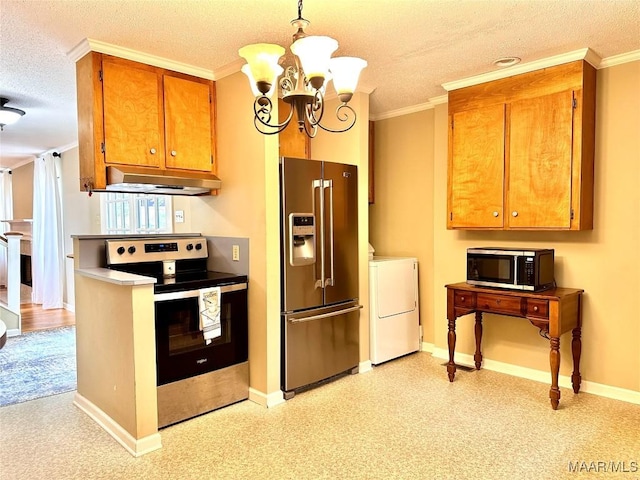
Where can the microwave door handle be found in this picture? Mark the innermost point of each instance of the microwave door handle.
(329, 184)
(516, 262)
(318, 184)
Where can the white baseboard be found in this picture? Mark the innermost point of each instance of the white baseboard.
(69, 307)
(14, 332)
(364, 367)
(564, 381)
(266, 400)
(136, 447)
(427, 347)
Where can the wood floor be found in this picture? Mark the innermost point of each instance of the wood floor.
(35, 318)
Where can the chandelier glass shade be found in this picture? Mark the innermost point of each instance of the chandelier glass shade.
(303, 85)
(8, 115)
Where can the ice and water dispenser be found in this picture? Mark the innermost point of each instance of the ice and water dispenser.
(302, 239)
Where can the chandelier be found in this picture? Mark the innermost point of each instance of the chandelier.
(303, 85)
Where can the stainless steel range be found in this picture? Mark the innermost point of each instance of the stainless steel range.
(201, 324)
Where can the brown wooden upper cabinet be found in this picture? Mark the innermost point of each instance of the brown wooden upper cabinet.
(293, 142)
(139, 115)
(521, 151)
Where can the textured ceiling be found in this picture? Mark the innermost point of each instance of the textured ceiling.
(412, 46)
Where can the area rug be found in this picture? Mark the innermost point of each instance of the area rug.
(38, 364)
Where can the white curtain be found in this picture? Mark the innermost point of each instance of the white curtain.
(6, 213)
(47, 255)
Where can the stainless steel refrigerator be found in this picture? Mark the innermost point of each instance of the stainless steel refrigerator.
(319, 266)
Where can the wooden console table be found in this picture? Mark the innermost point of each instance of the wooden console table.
(554, 311)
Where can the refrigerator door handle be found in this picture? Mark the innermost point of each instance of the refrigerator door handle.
(329, 184)
(324, 315)
(318, 184)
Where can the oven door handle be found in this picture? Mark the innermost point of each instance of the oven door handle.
(159, 297)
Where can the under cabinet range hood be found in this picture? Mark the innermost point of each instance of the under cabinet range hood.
(137, 180)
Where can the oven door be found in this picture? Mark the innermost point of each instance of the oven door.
(181, 350)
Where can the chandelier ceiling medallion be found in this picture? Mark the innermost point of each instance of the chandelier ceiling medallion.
(303, 85)
(8, 115)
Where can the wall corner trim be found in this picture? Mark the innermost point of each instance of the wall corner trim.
(266, 399)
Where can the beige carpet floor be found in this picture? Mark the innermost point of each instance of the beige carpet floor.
(403, 420)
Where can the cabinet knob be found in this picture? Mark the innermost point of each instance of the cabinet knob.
(495, 214)
(173, 153)
(514, 213)
(152, 151)
(462, 299)
(535, 309)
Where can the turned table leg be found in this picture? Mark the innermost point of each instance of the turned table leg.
(451, 340)
(554, 358)
(478, 355)
(576, 350)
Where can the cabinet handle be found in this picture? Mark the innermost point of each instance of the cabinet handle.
(495, 214)
(535, 309)
(462, 299)
(515, 214)
(152, 151)
(173, 153)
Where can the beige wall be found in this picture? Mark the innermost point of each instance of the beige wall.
(22, 187)
(401, 219)
(604, 261)
(118, 351)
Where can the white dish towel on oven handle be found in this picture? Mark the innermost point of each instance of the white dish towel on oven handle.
(209, 303)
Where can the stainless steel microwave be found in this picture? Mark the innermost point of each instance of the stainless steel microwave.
(518, 269)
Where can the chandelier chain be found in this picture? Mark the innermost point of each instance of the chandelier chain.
(299, 9)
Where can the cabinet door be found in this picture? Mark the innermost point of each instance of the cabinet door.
(132, 114)
(539, 166)
(293, 142)
(476, 168)
(187, 113)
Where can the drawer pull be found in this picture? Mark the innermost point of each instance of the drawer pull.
(462, 299)
(535, 309)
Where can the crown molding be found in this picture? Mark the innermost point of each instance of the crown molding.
(429, 104)
(584, 54)
(90, 45)
(229, 69)
(620, 59)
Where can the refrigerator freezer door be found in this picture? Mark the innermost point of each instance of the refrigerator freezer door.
(340, 232)
(319, 344)
(300, 185)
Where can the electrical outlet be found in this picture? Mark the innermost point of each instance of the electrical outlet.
(179, 216)
(235, 253)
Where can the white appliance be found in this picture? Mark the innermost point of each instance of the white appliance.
(394, 313)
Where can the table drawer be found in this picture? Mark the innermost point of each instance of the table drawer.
(499, 304)
(465, 299)
(537, 308)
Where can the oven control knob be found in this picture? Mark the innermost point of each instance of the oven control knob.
(189, 247)
(198, 246)
(120, 250)
(132, 250)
